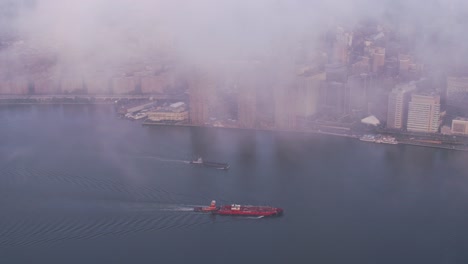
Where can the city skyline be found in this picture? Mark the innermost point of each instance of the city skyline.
(301, 74)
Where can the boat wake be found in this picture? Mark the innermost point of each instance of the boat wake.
(258, 217)
(179, 209)
(163, 159)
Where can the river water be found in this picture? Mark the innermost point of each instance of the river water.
(79, 185)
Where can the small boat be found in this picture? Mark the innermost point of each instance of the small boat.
(217, 165)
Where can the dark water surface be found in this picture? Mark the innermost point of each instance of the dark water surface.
(79, 185)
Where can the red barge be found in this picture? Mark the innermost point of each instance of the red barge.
(240, 210)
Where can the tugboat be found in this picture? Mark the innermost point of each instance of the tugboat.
(240, 210)
(217, 165)
(207, 209)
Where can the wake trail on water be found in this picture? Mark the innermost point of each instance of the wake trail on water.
(163, 159)
(160, 207)
(180, 208)
(257, 217)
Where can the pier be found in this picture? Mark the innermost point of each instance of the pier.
(84, 98)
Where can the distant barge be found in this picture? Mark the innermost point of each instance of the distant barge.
(217, 165)
(240, 210)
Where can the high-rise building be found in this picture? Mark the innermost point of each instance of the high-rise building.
(333, 98)
(247, 104)
(14, 86)
(198, 97)
(404, 61)
(391, 67)
(359, 86)
(378, 57)
(397, 111)
(424, 113)
(285, 106)
(97, 84)
(343, 41)
(308, 93)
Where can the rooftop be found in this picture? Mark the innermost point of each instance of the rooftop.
(405, 87)
(461, 118)
(426, 93)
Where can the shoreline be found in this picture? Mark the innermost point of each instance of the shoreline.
(1, 103)
(416, 144)
(305, 131)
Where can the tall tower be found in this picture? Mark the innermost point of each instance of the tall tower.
(308, 94)
(285, 106)
(397, 111)
(247, 103)
(198, 97)
(358, 87)
(378, 57)
(341, 46)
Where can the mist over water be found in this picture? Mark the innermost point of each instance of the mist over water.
(78, 185)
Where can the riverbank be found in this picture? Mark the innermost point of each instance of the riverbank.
(145, 123)
(401, 138)
(441, 145)
(402, 142)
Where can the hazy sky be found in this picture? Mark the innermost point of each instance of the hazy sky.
(100, 32)
(203, 29)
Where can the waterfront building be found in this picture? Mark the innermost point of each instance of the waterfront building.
(154, 83)
(44, 85)
(247, 106)
(307, 91)
(246, 83)
(460, 126)
(123, 84)
(285, 106)
(198, 97)
(159, 116)
(173, 112)
(97, 84)
(424, 113)
(138, 108)
(333, 91)
(446, 130)
(14, 86)
(333, 98)
(359, 86)
(397, 110)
